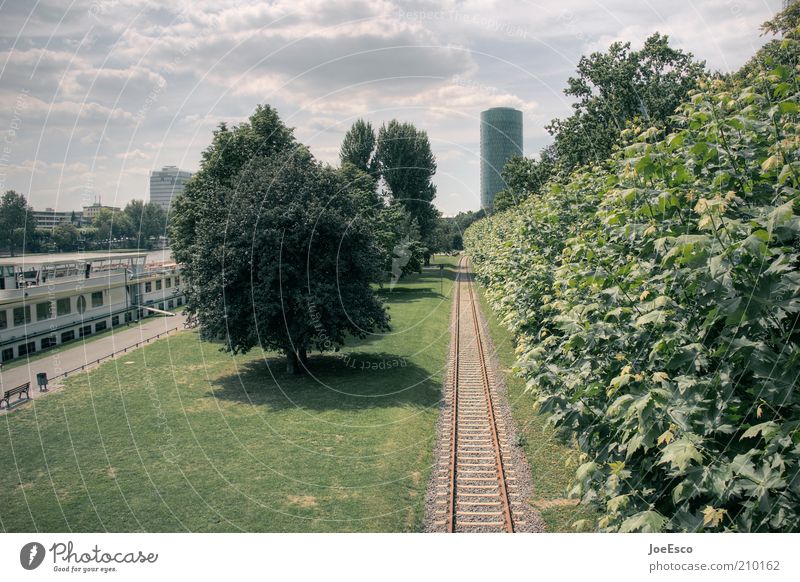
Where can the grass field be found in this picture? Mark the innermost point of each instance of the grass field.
(179, 436)
(552, 464)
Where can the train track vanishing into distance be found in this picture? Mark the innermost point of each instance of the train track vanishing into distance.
(474, 487)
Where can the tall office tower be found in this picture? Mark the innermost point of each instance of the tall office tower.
(501, 139)
(166, 184)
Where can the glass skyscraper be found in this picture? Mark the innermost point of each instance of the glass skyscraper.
(501, 139)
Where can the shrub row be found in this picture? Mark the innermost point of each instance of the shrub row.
(656, 305)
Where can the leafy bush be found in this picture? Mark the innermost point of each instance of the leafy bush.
(656, 302)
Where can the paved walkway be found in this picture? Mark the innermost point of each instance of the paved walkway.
(86, 354)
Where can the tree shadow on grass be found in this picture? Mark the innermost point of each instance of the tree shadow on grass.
(431, 275)
(400, 294)
(349, 381)
(403, 292)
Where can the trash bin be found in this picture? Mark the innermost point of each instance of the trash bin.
(41, 380)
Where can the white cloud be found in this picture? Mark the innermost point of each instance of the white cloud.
(136, 154)
(135, 84)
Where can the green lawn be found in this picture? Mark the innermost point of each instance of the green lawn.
(552, 464)
(179, 436)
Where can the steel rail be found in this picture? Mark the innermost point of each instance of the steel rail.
(451, 513)
(452, 502)
(501, 476)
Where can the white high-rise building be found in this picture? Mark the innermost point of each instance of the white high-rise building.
(166, 184)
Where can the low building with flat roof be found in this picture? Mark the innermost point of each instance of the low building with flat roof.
(90, 212)
(48, 218)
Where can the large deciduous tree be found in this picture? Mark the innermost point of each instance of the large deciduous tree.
(231, 150)
(16, 219)
(616, 86)
(612, 89)
(396, 233)
(65, 236)
(407, 165)
(776, 52)
(358, 147)
(147, 221)
(274, 248)
(524, 177)
(111, 224)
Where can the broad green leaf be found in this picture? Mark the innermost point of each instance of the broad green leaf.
(645, 521)
(772, 163)
(656, 316)
(617, 503)
(666, 437)
(680, 454)
(765, 429)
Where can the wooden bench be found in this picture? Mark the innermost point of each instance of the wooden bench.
(18, 391)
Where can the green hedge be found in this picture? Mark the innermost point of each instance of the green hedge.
(656, 306)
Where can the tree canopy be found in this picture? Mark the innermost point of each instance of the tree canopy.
(616, 86)
(393, 228)
(274, 248)
(358, 147)
(403, 215)
(65, 236)
(111, 224)
(147, 221)
(231, 150)
(611, 89)
(525, 176)
(16, 220)
(406, 163)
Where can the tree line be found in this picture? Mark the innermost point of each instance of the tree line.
(138, 225)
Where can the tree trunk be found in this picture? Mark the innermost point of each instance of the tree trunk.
(296, 361)
(292, 366)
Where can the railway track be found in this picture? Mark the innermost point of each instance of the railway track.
(475, 485)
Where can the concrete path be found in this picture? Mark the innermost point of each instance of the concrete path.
(86, 353)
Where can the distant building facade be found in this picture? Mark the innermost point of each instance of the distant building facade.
(166, 184)
(501, 139)
(90, 212)
(48, 218)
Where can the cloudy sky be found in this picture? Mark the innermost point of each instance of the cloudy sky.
(95, 94)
